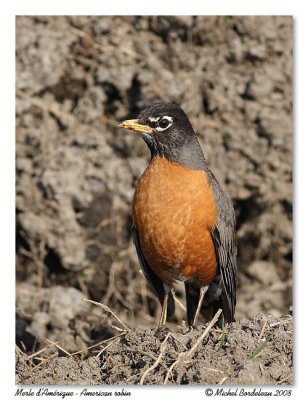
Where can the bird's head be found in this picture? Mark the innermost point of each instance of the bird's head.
(167, 131)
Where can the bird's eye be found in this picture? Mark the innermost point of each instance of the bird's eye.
(163, 123)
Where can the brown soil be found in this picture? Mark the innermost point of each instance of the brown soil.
(75, 179)
(254, 352)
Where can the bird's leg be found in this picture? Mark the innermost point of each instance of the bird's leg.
(163, 315)
(203, 290)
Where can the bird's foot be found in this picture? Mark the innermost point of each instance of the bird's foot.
(161, 333)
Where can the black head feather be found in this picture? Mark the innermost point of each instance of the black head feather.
(173, 136)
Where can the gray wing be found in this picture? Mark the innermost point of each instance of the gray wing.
(151, 277)
(225, 245)
(221, 293)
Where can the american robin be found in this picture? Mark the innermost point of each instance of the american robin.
(183, 221)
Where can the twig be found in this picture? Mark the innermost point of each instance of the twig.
(99, 344)
(179, 303)
(190, 352)
(200, 339)
(105, 348)
(112, 289)
(57, 346)
(223, 380)
(18, 350)
(108, 310)
(82, 285)
(162, 350)
(102, 224)
(285, 379)
(43, 362)
(262, 330)
(40, 351)
(146, 354)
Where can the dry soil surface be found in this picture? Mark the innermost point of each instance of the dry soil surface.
(254, 352)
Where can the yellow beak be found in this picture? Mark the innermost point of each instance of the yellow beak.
(134, 125)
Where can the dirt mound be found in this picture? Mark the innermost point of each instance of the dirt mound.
(247, 352)
(76, 171)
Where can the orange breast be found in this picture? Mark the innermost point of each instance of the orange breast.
(174, 211)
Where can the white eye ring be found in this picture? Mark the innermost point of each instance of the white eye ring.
(163, 128)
